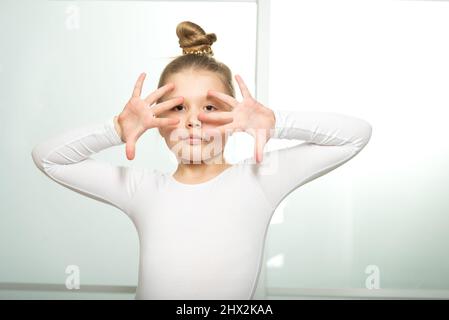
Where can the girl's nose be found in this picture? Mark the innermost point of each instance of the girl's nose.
(193, 121)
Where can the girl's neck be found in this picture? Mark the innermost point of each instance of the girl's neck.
(200, 171)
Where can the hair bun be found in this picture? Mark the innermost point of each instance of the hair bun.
(193, 39)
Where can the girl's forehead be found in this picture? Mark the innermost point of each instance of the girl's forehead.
(194, 87)
(202, 80)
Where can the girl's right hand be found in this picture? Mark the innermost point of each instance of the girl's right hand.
(138, 114)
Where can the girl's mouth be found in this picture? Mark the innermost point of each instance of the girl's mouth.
(195, 139)
(192, 140)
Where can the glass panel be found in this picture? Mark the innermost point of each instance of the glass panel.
(386, 212)
(64, 64)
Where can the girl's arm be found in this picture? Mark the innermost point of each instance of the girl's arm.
(66, 159)
(331, 139)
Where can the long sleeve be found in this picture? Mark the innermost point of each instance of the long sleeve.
(331, 139)
(66, 158)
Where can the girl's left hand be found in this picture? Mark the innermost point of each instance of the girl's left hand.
(248, 115)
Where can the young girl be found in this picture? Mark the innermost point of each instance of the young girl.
(201, 229)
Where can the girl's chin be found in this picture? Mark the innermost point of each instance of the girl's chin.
(195, 144)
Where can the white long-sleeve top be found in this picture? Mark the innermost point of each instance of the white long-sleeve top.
(206, 240)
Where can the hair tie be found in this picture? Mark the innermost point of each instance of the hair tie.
(207, 51)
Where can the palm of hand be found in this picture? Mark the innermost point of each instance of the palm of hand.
(249, 115)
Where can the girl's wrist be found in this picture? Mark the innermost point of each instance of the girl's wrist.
(273, 116)
(118, 128)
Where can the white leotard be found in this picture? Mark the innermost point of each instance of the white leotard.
(206, 240)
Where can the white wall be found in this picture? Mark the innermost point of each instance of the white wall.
(387, 62)
(64, 64)
(382, 60)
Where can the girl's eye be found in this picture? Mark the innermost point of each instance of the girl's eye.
(212, 107)
(175, 108)
(180, 107)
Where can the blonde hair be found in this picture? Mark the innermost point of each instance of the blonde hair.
(197, 54)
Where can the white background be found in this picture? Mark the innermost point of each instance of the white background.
(381, 60)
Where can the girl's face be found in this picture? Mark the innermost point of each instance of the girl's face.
(193, 85)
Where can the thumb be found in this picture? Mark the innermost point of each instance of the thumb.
(130, 149)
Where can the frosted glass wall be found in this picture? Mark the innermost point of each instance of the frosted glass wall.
(383, 216)
(385, 213)
(65, 64)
